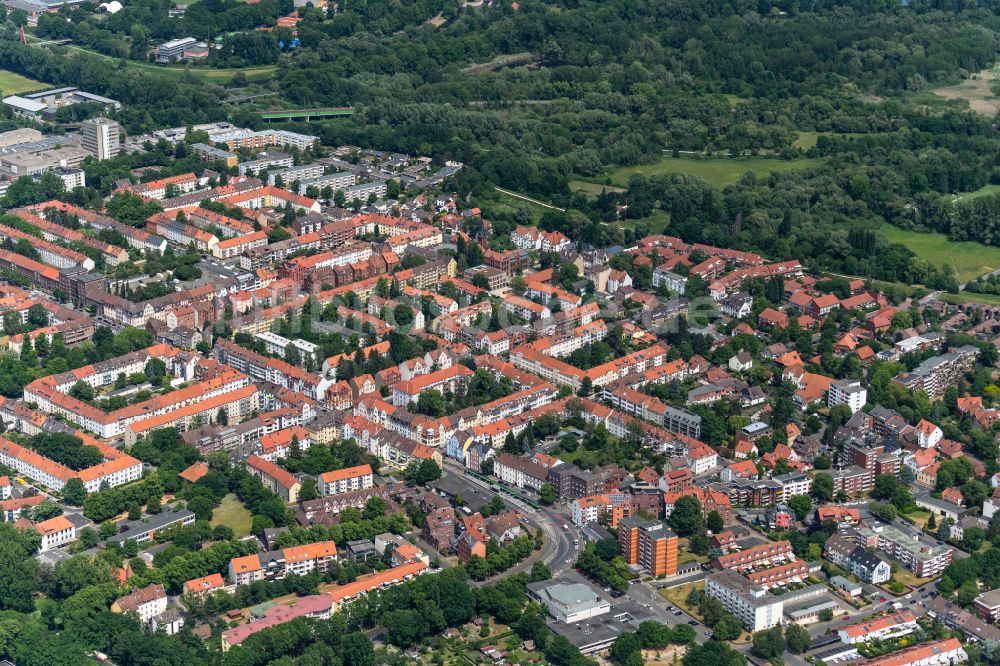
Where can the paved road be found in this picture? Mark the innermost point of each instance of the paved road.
(558, 550)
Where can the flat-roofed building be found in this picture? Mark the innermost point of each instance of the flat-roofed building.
(755, 606)
(569, 602)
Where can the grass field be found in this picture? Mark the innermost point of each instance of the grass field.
(233, 514)
(498, 201)
(969, 297)
(976, 91)
(591, 189)
(177, 71)
(678, 597)
(657, 222)
(969, 259)
(985, 190)
(15, 84)
(807, 140)
(719, 171)
(908, 579)
(919, 517)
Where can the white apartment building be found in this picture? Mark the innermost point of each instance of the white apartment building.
(335, 181)
(55, 532)
(847, 392)
(346, 480)
(751, 603)
(299, 173)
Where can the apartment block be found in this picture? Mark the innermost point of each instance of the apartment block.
(346, 480)
(649, 544)
(757, 608)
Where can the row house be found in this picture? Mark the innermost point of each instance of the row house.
(182, 234)
(51, 254)
(137, 239)
(56, 233)
(763, 555)
(859, 561)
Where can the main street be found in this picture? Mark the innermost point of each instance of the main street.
(558, 550)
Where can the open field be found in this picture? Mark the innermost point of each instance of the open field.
(657, 222)
(678, 597)
(233, 514)
(969, 297)
(985, 190)
(807, 140)
(206, 75)
(977, 92)
(15, 84)
(969, 259)
(591, 189)
(919, 517)
(718, 171)
(908, 579)
(686, 555)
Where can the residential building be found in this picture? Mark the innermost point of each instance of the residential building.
(649, 544)
(847, 392)
(947, 652)
(866, 565)
(924, 560)
(275, 478)
(145, 602)
(879, 628)
(987, 605)
(757, 608)
(55, 532)
(346, 480)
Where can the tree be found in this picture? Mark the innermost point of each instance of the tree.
(356, 649)
(74, 492)
(626, 648)
(47, 509)
(540, 571)
(883, 511)
(713, 653)
(797, 638)
(823, 487)
(801, 505)
(428, 471)
(134, 511)
(201, 506)
(430, 403)
(653, 635)
(81, 390)
(728, 628)
(547, 494)
(714, 522)
(309, 491)
(686, 517)
(931, 522)
(826, 615)
(769, 643)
